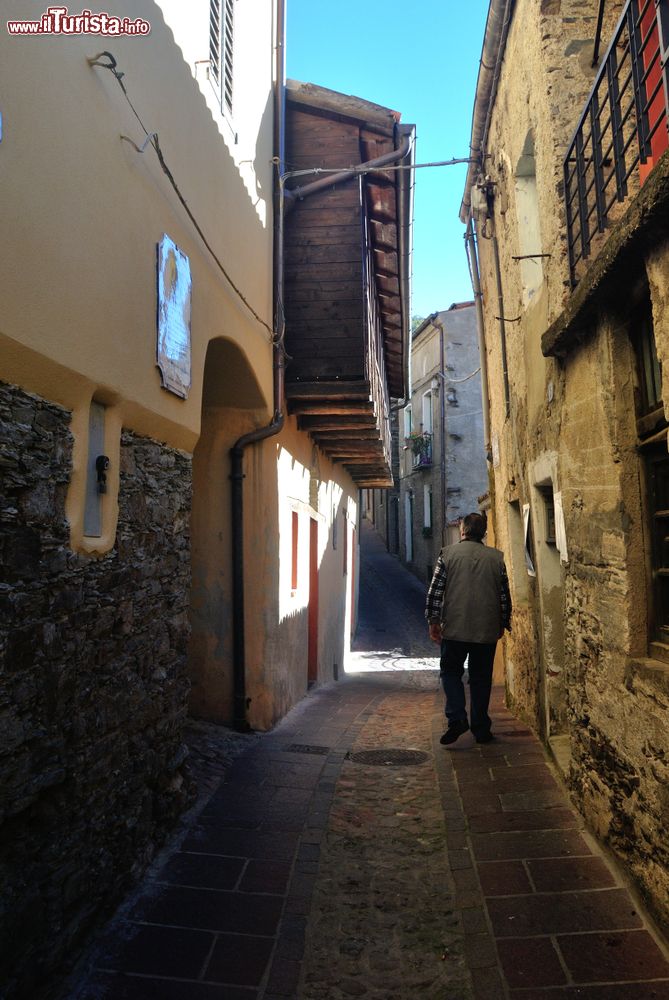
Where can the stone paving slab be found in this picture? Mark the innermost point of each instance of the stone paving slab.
(310, 876)
(564, 925)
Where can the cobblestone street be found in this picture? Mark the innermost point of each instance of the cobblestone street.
(316, 871)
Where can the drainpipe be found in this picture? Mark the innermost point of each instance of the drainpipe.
(502, 324)
(470, 239)
(598, 33)
(490, 67)
(278, 369)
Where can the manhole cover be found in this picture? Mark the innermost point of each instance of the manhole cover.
(389, 757)
(306, 748)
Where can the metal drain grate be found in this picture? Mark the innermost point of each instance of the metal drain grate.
(306, 748)
(390, 757)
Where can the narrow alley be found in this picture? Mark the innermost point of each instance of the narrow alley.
(347, 854)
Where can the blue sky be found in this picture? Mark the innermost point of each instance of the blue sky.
(420, 59)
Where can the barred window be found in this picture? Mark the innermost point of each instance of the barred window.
(652, 446)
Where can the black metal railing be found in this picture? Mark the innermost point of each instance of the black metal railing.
(623, 129)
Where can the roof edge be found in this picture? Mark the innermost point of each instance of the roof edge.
(356, 108)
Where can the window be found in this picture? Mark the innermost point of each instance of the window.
(549, 514)
(427, 413)
(651, 426)
(408, 425)
(427, 506)
(221, 37)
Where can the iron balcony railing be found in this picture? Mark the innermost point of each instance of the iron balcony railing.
(623, 129)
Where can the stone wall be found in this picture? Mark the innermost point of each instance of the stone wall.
(92, 688)
(578, 665)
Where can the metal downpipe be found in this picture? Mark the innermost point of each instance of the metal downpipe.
(490, 64)
(502, 324)
(470, 238)
(278, 371)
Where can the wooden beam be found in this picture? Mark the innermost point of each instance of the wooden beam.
(339, 390)
(311, 407)
(346, 434)
(318, 424)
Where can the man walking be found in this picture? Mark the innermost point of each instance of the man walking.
(468, 607)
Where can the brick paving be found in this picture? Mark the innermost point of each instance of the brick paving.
(311, 876)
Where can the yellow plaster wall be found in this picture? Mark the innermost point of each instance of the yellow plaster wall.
(81, 212)
(277, 481)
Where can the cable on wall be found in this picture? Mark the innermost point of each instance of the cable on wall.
(152, 139)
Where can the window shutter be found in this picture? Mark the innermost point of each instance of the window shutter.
(221, 38)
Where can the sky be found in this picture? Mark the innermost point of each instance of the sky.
(420, 59)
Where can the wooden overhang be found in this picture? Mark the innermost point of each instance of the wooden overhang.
(347, 276)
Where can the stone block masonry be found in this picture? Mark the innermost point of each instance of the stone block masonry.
(92, 686)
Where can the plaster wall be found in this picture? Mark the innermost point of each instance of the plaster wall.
(78, 262)
(285, 475)
(316, 490)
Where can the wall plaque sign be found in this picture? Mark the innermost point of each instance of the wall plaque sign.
(174, 310)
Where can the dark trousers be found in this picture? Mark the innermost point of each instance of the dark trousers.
(481, 656)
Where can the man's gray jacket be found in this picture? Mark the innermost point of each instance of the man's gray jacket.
(476, 593)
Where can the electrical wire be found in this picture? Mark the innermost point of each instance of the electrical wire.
(152, 138)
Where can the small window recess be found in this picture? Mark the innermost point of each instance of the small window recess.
(92, 498)
(530, 254)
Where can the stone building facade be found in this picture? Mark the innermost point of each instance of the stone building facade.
(573, 255)
(442, 467)
(121, 601)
